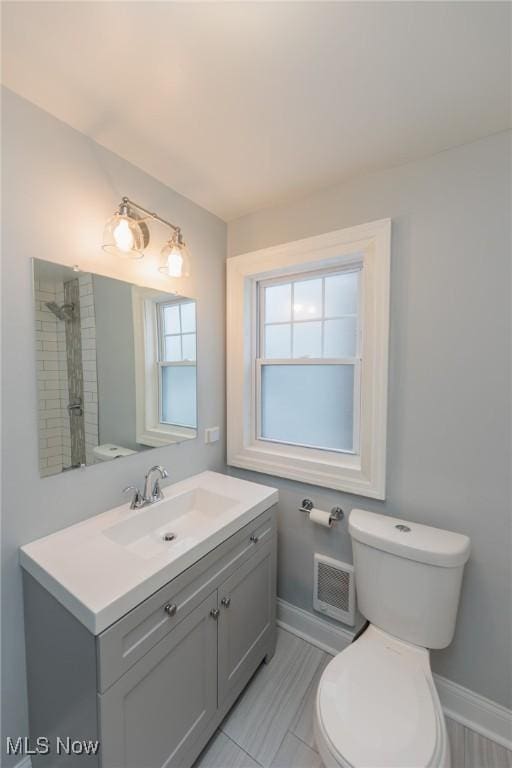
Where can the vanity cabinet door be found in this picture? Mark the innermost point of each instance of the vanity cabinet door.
(152, 716)
(246, 620)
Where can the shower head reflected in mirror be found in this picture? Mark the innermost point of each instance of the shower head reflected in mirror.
(64, 312)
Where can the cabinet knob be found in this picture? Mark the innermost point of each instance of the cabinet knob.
(170, 609)
(254, 538)
(225, 602)
(214, 613)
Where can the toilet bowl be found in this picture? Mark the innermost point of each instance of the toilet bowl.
(377, 705)
(110, 451)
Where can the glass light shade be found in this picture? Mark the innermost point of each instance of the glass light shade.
(123, 237)
(175, 258)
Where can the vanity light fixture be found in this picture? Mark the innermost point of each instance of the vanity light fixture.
(127, 234)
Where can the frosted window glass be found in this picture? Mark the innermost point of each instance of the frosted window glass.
(307, 299)
(308, 405)
(278, 303)
(172, 348)
(189, 346)
(179, 395)
(188, 317)
(278, 341)
(341, 294)
(340, 337)
(172, 319)
(307, 339)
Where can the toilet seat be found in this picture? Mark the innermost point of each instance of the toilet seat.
(377, 707)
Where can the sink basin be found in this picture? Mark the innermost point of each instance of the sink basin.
(186, 517)
(104, 566)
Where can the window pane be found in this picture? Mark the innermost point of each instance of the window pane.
(307, 299)
(172, 348)
(340, 337)
(307, 339)
(179, 395)
(278, 303)
(189, 346)
(172, 319)
(308, 405)
(341, 294)
(188, 317)
(278, 340)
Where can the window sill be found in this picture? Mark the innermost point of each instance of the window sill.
(156, 438)
(343, 473)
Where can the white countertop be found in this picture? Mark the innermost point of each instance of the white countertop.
(99, 579)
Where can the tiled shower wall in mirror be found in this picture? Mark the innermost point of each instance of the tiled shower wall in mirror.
(90, 376)
(67, 434)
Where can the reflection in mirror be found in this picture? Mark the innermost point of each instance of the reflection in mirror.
(116, 367)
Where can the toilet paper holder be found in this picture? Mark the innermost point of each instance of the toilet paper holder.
(336, 513)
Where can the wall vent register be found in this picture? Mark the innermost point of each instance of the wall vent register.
(334, 592)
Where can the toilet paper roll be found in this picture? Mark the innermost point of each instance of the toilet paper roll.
(320, 517)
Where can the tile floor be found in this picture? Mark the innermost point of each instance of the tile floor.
(271, 725)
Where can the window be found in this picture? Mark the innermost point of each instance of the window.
(309, 343)
(165, 355)
(307, 359)
(177, 363)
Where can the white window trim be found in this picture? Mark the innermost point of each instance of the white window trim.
(150, 430)
(363, 473)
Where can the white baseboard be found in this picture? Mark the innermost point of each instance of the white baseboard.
(317, 631)
(476, 712)
(466, 707)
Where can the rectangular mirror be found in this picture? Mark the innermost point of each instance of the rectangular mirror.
(116, 367)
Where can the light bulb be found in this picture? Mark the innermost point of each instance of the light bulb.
(175, 262)
(123, 236)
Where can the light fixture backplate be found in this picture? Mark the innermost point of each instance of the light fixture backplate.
(142, 225)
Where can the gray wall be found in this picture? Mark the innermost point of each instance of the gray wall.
(449, 440)
(58, 189)
(115, 355)
(449, 402)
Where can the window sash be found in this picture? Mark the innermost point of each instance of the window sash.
(162, 335)
(257, 402)
(160, 366)
(296, 277)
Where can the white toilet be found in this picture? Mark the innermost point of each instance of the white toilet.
(377, 705)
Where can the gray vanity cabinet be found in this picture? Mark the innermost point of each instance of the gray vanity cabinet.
(154, 686)
(247, 603)
(137, 725)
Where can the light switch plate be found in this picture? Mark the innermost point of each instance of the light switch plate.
(211, 434)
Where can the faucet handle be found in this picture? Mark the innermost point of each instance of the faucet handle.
(137, 500)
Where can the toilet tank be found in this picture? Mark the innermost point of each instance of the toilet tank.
(408, 576)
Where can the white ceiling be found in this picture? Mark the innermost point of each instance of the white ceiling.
(240, 106)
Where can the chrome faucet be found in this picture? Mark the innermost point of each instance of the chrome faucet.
(152, 491)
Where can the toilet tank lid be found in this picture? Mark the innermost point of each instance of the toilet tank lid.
(422, 543)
